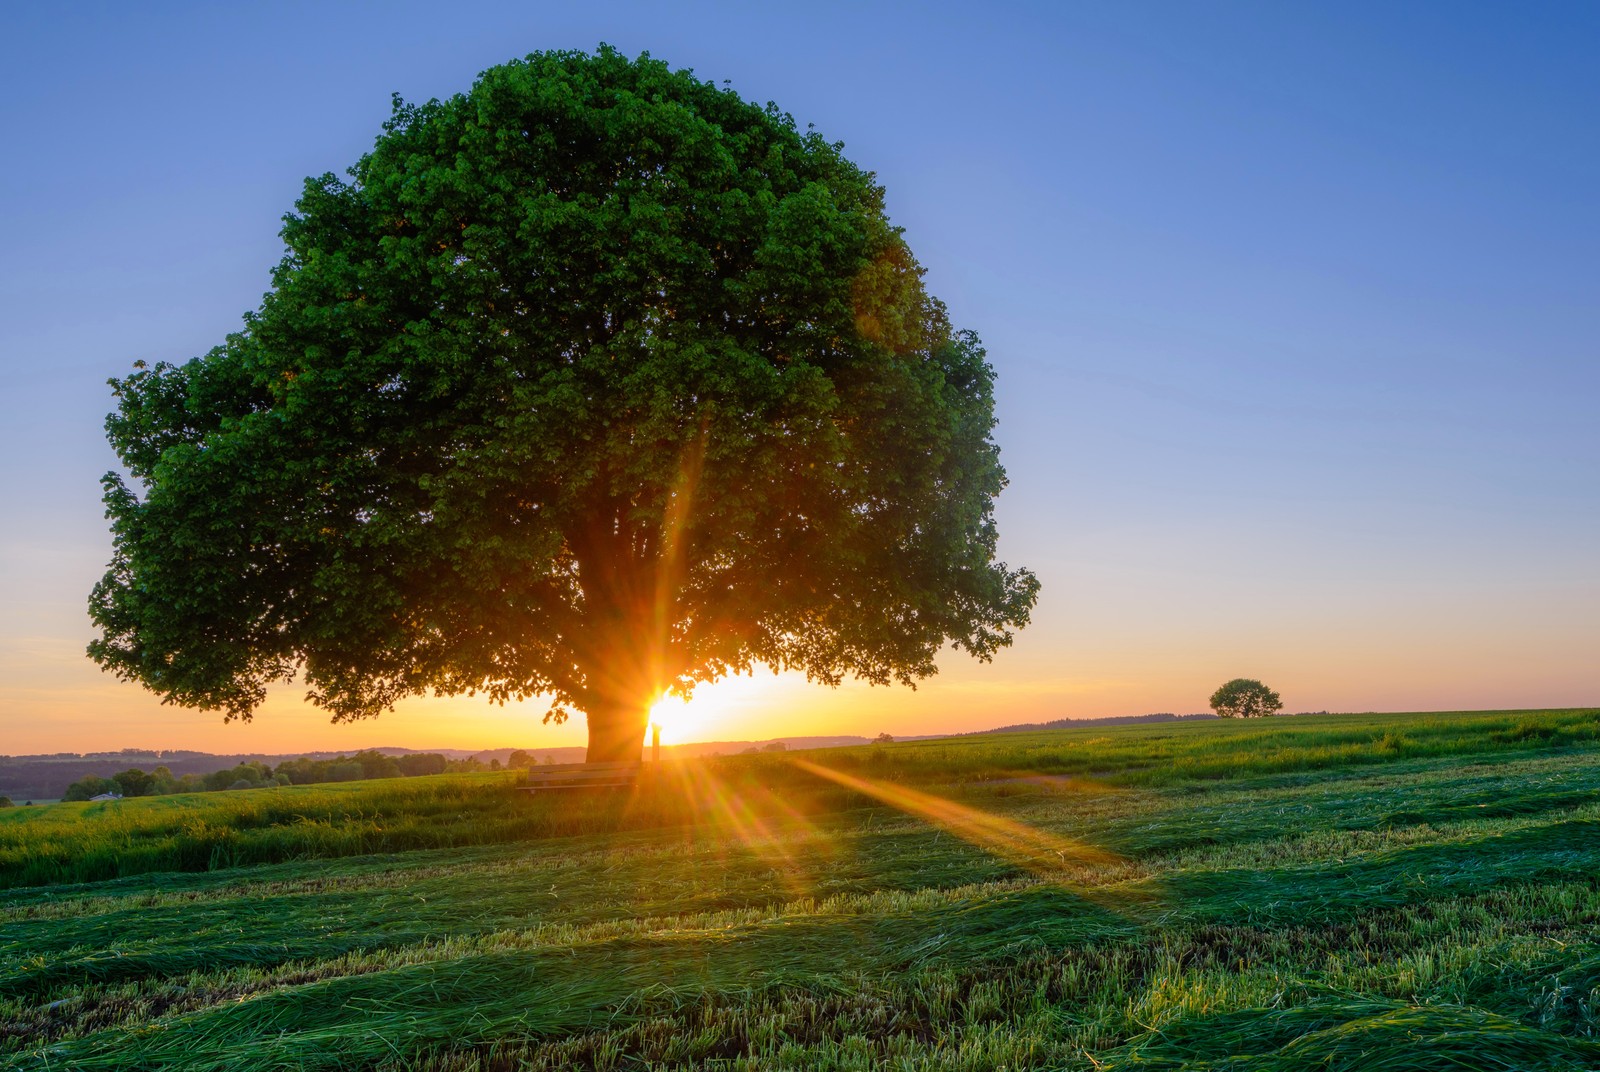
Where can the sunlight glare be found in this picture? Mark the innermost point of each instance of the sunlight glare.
(678, 719)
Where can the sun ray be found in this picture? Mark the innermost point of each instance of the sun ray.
(1042, 852)
(759, 818)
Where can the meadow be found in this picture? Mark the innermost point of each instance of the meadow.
(1391, 892)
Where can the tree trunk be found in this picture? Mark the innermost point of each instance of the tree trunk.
(616, 732)
(622, 660)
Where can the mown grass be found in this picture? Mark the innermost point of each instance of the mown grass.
(91, 842)
(1431, 905)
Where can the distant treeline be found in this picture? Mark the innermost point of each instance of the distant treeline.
(303, 771)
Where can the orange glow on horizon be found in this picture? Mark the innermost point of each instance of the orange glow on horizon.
(52, 699)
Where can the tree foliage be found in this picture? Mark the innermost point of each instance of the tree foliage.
(1245, 698)
(596, 381)
(134, 782)
(418, 763)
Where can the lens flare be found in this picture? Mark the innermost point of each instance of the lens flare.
(761, 821)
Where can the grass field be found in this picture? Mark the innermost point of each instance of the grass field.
(1376, 892)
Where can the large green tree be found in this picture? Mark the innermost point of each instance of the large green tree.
(594, 382)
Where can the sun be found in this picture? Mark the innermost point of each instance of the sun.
(679, 719)
(732, 708)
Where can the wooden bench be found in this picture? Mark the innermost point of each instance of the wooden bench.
(581, 776)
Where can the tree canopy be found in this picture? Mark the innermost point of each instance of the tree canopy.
(1245, 697)
(594, 382)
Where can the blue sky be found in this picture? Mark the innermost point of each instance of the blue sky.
(1294, 309)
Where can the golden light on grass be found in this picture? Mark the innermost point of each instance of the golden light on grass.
(758, 819)
(1039, 851)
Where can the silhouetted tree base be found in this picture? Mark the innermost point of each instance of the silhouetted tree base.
(616, 735)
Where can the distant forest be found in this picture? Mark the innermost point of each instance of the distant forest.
(136, 782)
(48, 779)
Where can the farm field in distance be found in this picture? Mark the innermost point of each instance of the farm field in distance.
(1396, 892)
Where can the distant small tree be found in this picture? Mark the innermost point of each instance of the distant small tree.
(5, 802)
(1245, 698)
(519, 759)
(883, 738)
(776, 746)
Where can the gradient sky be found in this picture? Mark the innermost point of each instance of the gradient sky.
(1295, 309)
